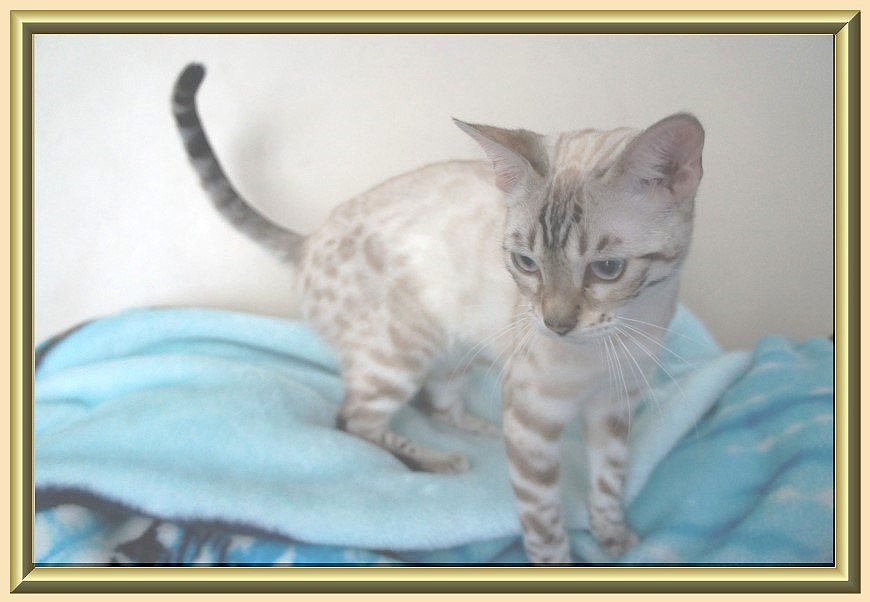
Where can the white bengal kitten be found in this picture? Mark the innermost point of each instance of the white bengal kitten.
(566, 260)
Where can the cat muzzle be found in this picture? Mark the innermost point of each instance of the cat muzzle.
(561, 325)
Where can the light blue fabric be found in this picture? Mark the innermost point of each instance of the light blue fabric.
(200, 415)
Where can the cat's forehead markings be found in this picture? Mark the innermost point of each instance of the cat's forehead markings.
(577, 212)
(555, 222)
(579, 151)
(591, 152)
(563, 209)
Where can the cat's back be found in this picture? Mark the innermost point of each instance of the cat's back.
(430, 238)
(439, 205)
(437, 189)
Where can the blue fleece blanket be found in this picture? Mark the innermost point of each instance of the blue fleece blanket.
(198, 436)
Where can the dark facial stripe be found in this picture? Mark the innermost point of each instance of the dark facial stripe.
(517, 239)
(649, 284)
(651, 257)
(532, 238)
(656, 281)
(545, 230)
(637, 282)
(603, 243)
(658, 256)
(577, 213)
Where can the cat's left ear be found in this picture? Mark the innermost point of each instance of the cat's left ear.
(516, 155)
(667, 157)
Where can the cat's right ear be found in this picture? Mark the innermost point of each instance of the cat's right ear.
(517, 155)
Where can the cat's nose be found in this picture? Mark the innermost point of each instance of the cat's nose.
(560, 325)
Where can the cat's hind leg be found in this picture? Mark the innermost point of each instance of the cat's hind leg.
(374, 393)
(442, 398)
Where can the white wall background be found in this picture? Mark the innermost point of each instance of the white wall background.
(304, 122)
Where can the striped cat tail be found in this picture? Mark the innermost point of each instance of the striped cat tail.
(280, 241)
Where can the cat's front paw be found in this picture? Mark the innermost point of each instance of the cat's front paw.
(617, 542)
(547, 554)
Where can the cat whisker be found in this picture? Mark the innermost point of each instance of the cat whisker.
(468, 358)
(640, 371)
(661, 366)
(624, 396)
(522, 347)
(611, 370)
(652, 356)
(516, 328)
(611, 377)
(670, 331)
(602, 352)
(661, 345)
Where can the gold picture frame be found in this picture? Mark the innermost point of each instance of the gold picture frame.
(844, 29)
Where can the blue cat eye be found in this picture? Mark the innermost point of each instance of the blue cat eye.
(524, 263)
(607, 269)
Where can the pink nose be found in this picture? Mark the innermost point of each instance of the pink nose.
(560, 325)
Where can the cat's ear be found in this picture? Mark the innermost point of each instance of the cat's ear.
(666, 157)
(516, 155)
